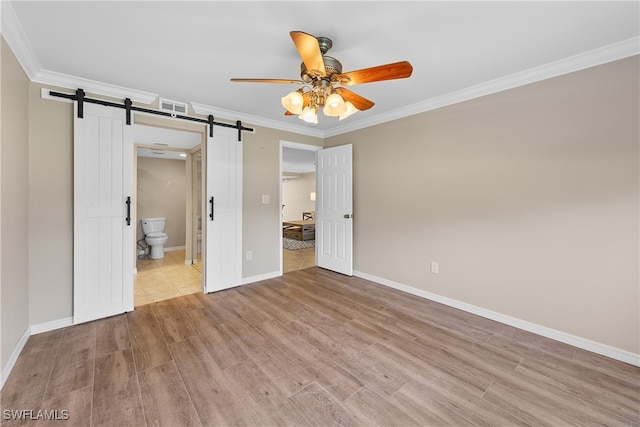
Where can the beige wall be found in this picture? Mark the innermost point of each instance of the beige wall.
(527, 199)
(51, 208)
(296, 196)
(261, 226)
(14, 203)
(162, 191)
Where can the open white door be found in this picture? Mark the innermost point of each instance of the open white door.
(223, 223)
(334, 209)
(103, 232)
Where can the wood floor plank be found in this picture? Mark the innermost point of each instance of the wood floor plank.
(220, 345)
(604, 395)
(290, 342)
(27, 383)
(115, 392)
(335, 378)
(76, 405)
(210, 391)
(284, 311)
(218, 312)
(46, 341)
(450, 405)
(147, 340)
(269, 398)
(425, 362)
(376, 375)
(245, 308)
(74, 362)
(320, 408)
(369, 408)
(342, 331)
(533, 409)
(323, 342)
(411, 399)
(189, 302)
(174, 322)
(164, 397)
(112, 334)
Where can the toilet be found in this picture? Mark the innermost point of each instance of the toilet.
(154, 235)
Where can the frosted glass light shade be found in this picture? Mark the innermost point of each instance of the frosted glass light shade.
(334, 105)
(351, 109)
(309, 115)
(293, 102)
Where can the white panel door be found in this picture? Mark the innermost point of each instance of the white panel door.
(103, 240)
(223, 222)
(334, 209)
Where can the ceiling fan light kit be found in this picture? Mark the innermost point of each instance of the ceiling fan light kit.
(320, 73)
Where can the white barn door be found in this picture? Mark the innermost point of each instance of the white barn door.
(103, 239)
(334, 209)
(223, 222)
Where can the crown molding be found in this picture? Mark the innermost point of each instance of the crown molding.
(255, 120)
(92, 86)
(17, 40)
(592, 58)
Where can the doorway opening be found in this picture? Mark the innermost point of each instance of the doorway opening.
(298, 205)
(168, 185)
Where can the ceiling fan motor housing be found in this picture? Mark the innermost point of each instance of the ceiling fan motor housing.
(331, 65)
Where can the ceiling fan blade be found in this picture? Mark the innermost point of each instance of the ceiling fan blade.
(310, 53)
(296, 82)
(396, 70)
(358, 101)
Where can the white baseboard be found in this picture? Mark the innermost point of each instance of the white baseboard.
(50, 326)
(14, 358)
(266, 276)
(583, 343)
(175, 248)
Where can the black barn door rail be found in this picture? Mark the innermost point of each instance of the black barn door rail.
(79, 96)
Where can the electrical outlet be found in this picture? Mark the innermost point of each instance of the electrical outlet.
(434, 267)
(249, 255)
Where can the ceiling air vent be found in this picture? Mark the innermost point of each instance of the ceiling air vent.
(173, 107)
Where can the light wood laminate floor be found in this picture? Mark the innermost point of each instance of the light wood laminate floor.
(314, 348)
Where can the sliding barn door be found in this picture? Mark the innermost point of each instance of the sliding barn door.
(103, 232)
(223, 223)
(334, 208)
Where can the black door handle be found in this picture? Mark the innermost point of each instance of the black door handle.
(211, 214)
(128, 203)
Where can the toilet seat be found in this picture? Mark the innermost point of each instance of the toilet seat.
(156, 234)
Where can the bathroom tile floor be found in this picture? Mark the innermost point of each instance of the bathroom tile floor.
(169, 277)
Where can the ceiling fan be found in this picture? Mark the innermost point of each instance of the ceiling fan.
(320, 73)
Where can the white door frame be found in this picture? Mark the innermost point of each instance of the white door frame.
(297, 146)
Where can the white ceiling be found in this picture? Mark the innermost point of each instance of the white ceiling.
(162, 140)
(188, 51)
